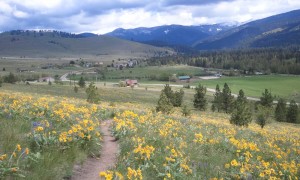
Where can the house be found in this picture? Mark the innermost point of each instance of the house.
(131, 82)
(46, 79)
(184, 78)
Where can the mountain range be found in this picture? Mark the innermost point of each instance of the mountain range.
(275, 31)
(170, 35)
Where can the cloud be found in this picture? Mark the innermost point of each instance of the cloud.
(101, 16)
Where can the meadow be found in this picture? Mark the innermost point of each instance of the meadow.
(42, 137)
(156, 146)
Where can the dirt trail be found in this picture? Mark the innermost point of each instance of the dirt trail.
(91, 168)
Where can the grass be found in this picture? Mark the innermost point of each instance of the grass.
(280, 85)
(148, 72)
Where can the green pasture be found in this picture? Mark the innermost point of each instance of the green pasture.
(280, 85)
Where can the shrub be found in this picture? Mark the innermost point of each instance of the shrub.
(164, 104)
(92, 94)
(11, 78)
(263, 115)
(81, 82)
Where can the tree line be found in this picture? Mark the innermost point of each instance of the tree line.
(267, 60)
(241, 110)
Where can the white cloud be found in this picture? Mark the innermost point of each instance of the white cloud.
(102, 16)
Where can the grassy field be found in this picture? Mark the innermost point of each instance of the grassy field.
(280, 85)
(146, 73)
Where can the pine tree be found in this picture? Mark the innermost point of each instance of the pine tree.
(241, 114)
(164, 104)
(81, 82)
(227, 99)
(200, 102)
(92, 94)
(281, 110)
(177, 98)
(292, 112)
(168, 91)
(266, 99)
(217, 102)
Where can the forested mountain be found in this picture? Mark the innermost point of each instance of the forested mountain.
(248, 61)
(170, 35)
(275, 31)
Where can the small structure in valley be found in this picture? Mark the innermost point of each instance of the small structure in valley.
(131, 82)
(184, 78)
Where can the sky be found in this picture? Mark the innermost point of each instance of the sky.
(102, 16)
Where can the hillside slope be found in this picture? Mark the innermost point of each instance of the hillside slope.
(58, 44)
(274, 31)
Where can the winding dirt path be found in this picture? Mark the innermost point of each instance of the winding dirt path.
(108, 157)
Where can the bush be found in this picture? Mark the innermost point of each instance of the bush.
(92, 94)
(186, 111)
(11, 78)
(263, 115)
(164, 104)
(81, 82)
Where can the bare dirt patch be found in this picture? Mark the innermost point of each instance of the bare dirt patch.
(92, 166)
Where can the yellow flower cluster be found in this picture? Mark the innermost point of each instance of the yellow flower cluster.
(270, 153)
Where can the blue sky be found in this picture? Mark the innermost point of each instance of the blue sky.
(101, 16)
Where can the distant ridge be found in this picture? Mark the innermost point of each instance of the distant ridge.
(62, 44)
(276, 31)
(170, 35)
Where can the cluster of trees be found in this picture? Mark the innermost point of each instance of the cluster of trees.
(268, 60)
(169, 99)
(241, 110)
(44, 33)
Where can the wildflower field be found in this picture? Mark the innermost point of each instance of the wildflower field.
(43, 137)
(155, 146)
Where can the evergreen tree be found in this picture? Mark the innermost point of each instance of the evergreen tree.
(200, 102)
(92, 94)
(281, 110)
(81, 82)
(177, 98)
(168, 91)
(266, 99)
(292, 112)
(217, 102)
(241, 114)
(227, 99)
(164, 104)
